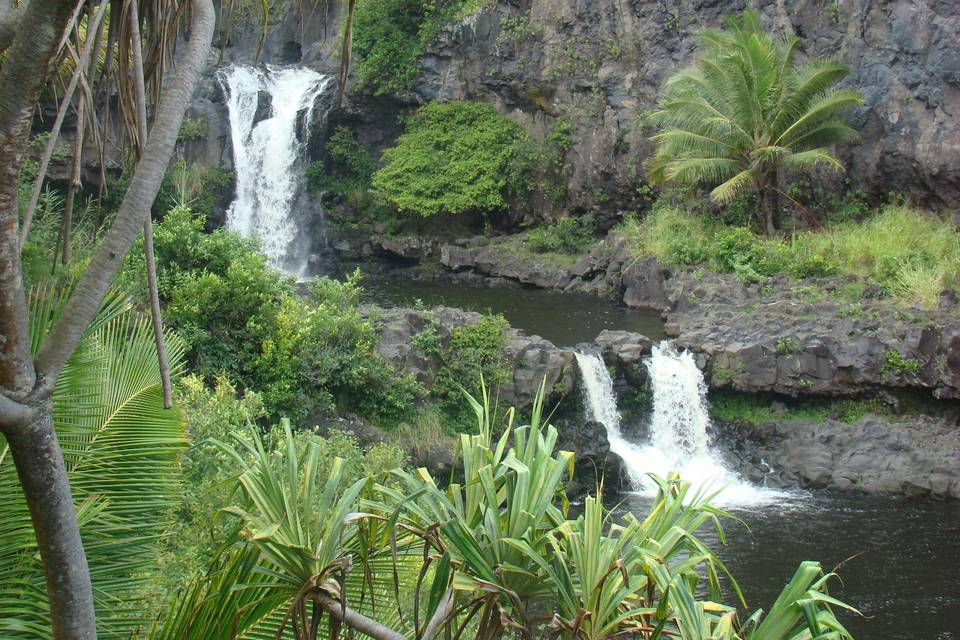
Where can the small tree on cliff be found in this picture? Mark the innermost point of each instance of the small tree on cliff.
(746, 109)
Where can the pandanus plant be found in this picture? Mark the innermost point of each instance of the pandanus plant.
(492, 555)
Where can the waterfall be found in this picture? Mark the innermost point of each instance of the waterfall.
(269, 155)
(678, 439)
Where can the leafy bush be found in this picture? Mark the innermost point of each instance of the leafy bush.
(244, 319)
(475, 351)
(454, 157)
(349, 163)
(198, 186)
(218, 413)
(566, 235)
(743, 252)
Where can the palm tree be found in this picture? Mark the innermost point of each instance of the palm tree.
(120, 447)
(748, 108)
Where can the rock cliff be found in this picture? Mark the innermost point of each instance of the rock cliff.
(599, 64)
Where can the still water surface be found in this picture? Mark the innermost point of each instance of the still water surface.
(562, 318)
(899, 560)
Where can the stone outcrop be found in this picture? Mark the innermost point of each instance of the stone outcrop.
(915, 455)
(533, 359)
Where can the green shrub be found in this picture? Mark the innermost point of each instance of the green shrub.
(454, 157)
(475, 351)
(240, 317)
(894, 362)
(219, 412)
(349, 162)
(567, 235)
(914, 256)
(198, 186)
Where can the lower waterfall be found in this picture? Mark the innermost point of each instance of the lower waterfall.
(269, 151)
(678, 438)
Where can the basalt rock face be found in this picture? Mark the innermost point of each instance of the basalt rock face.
(914, 455)
(601, 63)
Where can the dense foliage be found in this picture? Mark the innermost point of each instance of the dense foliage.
(748, 108)
(120, 447)
(390, 38)
(913, 256)
(241, 318)
(454, 157)
(215, 413)
(397, 555)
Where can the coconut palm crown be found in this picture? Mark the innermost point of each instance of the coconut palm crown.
(747, 108)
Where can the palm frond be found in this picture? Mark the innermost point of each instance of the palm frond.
(121, 447)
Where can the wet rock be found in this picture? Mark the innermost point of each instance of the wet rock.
(914, 455)
(594, 462)
(501, 258)
(264, 107)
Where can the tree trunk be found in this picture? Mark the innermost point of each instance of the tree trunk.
(769, 203)
(26, 387)
(141, 101)
(43, 478)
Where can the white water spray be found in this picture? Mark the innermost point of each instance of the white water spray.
(268, 157)
(678, 428)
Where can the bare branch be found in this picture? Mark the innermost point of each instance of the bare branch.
(141, 98)
(358, 621)
(140, 195)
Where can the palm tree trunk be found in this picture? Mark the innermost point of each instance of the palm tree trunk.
(769, 202)
(141, 100)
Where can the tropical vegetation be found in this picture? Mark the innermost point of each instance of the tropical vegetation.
(913, 256)
(492, 555)
(453, 158)
(750, 108)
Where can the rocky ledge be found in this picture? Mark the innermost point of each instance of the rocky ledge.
(829, 336)
(913, 455)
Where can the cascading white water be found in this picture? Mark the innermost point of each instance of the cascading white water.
(268, 156)
(678, 427)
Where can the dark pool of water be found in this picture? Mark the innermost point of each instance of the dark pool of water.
(562, 318)
(899, 560)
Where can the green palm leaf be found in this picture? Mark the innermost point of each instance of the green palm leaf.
(120, 447)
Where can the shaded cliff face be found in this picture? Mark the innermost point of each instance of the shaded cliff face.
(600, 63)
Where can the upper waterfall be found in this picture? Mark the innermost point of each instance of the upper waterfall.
(678, 427)
(269, 154)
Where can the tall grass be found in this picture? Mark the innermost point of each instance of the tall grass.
(912, 255)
